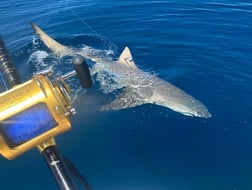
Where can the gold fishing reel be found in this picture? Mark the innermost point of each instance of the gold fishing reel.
(34, 112)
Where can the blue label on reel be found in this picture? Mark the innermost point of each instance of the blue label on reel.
(27, 125)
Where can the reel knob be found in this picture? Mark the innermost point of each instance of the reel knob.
(81, 68)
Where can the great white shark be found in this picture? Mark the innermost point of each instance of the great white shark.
(139, 87)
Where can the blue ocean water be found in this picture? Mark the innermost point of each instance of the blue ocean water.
(203, 47)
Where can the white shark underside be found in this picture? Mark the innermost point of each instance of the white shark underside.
(139, 87)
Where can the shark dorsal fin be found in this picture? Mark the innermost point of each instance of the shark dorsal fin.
(126, 58)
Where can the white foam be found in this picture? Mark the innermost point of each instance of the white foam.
(37, 59)
(94, 54)
(107, 82)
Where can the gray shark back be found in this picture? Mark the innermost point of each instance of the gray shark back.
(143, 88)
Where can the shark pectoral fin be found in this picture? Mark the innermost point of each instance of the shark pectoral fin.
(126, 58)
(128, 98)
(145, 93)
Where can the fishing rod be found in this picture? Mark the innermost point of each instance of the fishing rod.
(34, 112)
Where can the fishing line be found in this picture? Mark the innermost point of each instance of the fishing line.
(85, 23)
(108, 44)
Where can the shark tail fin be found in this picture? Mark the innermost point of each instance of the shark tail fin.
(126, 58)
(52, 44)
(36, 29)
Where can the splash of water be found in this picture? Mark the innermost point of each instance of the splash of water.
(107, 82)
(37, 59)
(92, 53)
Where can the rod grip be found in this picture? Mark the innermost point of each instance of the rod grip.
(58, 168)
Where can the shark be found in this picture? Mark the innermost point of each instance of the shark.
(138, 87)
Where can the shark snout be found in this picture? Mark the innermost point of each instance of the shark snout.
(205, 114)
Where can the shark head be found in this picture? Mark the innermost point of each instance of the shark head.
(167, 95)
(193, 109)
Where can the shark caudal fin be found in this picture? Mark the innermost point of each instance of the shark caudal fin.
(59, 49)
(126, 58)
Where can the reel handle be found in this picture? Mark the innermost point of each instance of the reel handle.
(82, 71)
